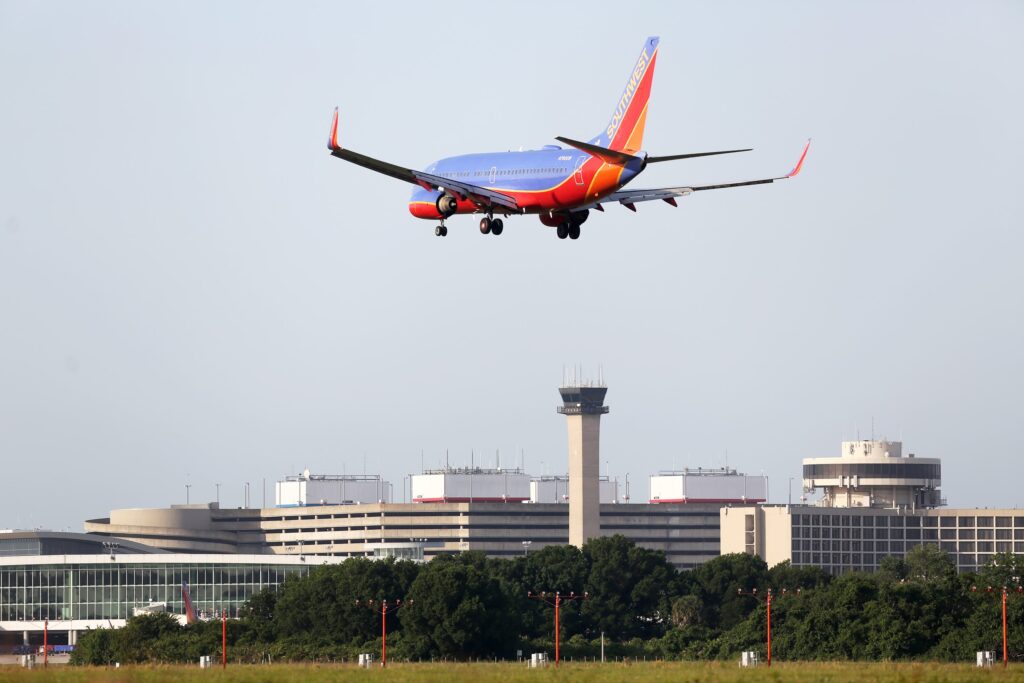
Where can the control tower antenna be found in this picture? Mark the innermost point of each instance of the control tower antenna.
(583, 406)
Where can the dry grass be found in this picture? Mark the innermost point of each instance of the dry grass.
(649, 672)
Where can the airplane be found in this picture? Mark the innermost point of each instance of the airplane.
(561, 186)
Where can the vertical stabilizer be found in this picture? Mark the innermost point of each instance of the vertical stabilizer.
(625, 129)
(186, 598)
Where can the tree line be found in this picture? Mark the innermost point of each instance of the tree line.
(469, 606)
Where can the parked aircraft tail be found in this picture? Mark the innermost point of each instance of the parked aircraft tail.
(186, 598)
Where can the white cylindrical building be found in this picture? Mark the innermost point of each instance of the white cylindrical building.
(871, 473)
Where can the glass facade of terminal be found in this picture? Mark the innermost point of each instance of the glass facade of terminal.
(111, 590)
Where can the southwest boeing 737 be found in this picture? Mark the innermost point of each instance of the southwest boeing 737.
(560, 185)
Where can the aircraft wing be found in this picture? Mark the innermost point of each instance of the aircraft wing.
(482, 196)
(629, 198)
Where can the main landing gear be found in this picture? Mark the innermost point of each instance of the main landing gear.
(568, 229)
(441, 231)
(490, 225)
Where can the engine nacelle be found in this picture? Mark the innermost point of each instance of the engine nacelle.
(447, 205)
(579, 217)
(552, 221)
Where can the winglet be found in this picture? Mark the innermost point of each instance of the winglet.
(799, 164)
(332, 140)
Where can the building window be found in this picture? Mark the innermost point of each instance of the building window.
(965, 521)
(984, 521)
(1004, 521)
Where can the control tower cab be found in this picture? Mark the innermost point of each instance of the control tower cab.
(875, 474)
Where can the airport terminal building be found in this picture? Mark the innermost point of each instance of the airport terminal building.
(99, 583)
(686, 533)
(875, 503)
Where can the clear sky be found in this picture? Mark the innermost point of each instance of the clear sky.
(193, 291)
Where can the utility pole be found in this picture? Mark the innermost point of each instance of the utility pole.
(383, 607)
(223, 638)
(1003, 593)
(768, 603)
(556, 599)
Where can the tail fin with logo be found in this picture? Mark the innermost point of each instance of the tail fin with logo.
(625, 130)
(186, 599)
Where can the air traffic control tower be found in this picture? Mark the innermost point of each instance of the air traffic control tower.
(583, 406)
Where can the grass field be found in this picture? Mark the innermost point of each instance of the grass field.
(650, 672)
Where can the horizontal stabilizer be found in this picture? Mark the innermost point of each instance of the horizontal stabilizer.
(606, 155)
(673, 157)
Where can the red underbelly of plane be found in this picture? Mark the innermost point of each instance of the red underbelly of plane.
(424, 210)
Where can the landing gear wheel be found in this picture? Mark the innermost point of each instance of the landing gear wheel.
(485, 225)
(574, 231)
(439, 231)
(562, 231)
(444, 231)
(497, 226)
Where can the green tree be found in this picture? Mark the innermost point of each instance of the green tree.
(323, 606)
(630, 589)
(459, 609)
(95, 647)
(555, 568)
(718, 584)
(931, 564)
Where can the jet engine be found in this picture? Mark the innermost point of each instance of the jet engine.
(447, 205)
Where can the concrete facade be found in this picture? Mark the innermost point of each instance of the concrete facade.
(688, 534)
(848, 539)
(583, 407)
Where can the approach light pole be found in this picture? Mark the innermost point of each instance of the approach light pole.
(1003, 593)
(768, 604)
(383, 607)
(556, 599)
